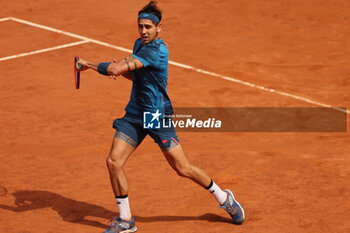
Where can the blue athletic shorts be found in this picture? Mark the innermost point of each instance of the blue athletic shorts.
(130, 129)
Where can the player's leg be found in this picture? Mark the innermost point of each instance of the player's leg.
(178, 161)
(119, 153)
(127, 138)
(172, 150)
(122, 148)
(116, 159)
(168, 141)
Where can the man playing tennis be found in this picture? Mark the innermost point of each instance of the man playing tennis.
(147, 68)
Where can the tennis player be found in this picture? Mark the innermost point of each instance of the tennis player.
(147, 68)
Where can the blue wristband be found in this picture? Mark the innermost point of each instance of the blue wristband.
(102, 68)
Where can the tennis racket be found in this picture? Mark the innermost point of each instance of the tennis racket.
(77, 72)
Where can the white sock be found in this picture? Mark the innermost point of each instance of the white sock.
(219, 195)
(124, 207)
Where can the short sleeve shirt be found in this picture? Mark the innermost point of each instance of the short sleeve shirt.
(149, 92)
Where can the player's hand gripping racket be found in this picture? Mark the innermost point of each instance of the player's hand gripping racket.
(77, 66)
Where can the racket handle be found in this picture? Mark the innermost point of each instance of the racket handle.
(79, 66)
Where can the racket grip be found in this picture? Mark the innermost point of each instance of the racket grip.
(79, 66)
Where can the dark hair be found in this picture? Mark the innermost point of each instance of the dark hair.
(152, 8)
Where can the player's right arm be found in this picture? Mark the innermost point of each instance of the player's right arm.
(121, 67)
(129, 61)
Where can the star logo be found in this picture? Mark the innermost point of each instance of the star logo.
(156, 116)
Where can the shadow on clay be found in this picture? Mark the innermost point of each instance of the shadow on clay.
(76, 211)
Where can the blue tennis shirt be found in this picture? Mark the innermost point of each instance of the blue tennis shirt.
(149, 92)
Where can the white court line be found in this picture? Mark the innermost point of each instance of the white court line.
(43, 50)
(300, 98)
(4, 19)
(70, 34)
(259, 87)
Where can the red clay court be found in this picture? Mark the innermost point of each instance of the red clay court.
(55, 139)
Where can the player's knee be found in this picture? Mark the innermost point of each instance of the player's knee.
(185, 171)
(114, 164)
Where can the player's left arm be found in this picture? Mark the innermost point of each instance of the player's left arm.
(115, 68)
